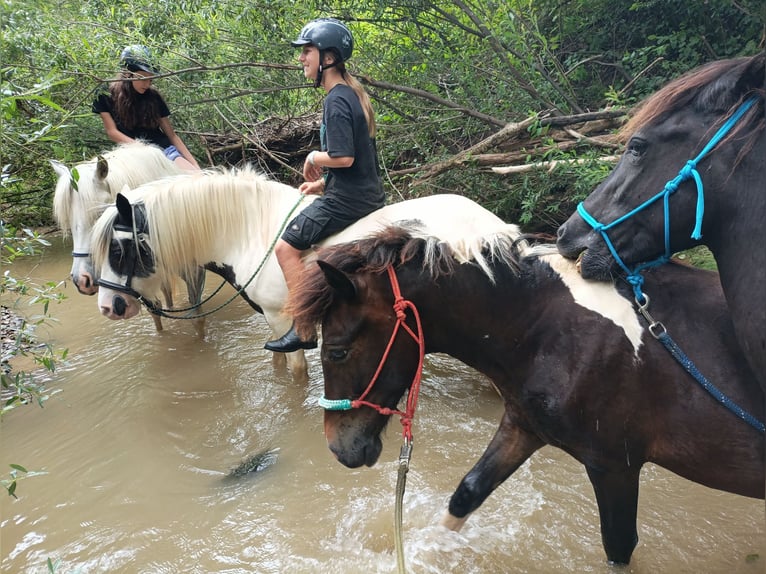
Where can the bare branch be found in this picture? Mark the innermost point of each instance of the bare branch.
(432, 98)
(550, 165)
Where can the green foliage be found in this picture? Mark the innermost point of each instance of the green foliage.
(698, 257)
(24, 386)
(455, 72)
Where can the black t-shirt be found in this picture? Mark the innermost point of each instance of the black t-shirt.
(356, 190)
(104, 103)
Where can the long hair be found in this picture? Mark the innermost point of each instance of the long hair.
(361, 93)
(364, 100)
(133, 110)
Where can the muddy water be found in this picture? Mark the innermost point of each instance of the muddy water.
(137, 444)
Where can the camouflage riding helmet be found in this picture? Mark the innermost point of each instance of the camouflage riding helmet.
(137, 58)
(326, 34)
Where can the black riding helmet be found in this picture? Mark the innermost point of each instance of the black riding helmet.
(326, 34)
(137, 58)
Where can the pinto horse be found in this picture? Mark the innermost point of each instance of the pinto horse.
(228, 222)
(575, 366)
(83, 193)
(710, 125)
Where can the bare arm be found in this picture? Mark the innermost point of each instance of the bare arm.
(111, 129)
(316, 160)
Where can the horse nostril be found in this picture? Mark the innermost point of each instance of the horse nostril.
(119, 306)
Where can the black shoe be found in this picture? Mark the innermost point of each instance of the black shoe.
(289, 342)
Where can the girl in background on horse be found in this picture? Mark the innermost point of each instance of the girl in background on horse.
(132, 109)
(345, 170)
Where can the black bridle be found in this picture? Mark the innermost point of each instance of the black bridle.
(140, 238)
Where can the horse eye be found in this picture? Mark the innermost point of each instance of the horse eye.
(337, 355)
(636, 146)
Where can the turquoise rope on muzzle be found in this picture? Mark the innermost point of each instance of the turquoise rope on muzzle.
(335, 404)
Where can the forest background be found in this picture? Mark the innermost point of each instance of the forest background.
(459, 87)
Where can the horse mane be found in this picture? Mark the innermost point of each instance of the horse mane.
(394, 246)
(234, 204)
(713, 87)
(130, 165)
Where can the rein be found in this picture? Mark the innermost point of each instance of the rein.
(162, 312)
(659, 332)
(689, 171)
(401, 305)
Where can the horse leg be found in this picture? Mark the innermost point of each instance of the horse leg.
(507, 451)
(295, 362)
(167, 293)
(617, 498)
(195, 285)
(298, 366)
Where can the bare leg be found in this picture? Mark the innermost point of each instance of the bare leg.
(184, 163)
(290, 261)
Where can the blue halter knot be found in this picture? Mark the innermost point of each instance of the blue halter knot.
(688, 171)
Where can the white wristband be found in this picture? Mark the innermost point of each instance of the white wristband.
(311, 157)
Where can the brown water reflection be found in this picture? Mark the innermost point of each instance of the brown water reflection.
(137, 444)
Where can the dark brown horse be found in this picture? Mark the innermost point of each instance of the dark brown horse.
(575, 365)
(678, 188)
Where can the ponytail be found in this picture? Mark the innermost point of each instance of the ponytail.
(364, 100)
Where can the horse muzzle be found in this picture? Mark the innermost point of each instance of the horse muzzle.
(118, 307)
(352, 448)
(570, 237)
(85, 284)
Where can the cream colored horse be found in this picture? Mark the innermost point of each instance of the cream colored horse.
(228, 222)
(83, 193)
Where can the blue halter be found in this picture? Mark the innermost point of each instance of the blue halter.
(689, 171)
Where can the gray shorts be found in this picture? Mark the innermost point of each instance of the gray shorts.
(314, 224)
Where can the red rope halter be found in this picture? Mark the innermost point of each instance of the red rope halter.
(400, 306)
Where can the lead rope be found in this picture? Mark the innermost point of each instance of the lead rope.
(401, 482)
(400, 305)
(659, 332)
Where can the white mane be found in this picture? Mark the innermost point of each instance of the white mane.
(225, 205)
(129, 165)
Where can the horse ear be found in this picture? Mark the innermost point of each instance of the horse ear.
(754, 74)
(124, 210)
(60, 169)
(102, 168)
(338, 280)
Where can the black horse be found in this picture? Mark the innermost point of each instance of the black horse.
(718, 199)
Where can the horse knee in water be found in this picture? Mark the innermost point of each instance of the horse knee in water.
(509, 449)
(617, 498)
